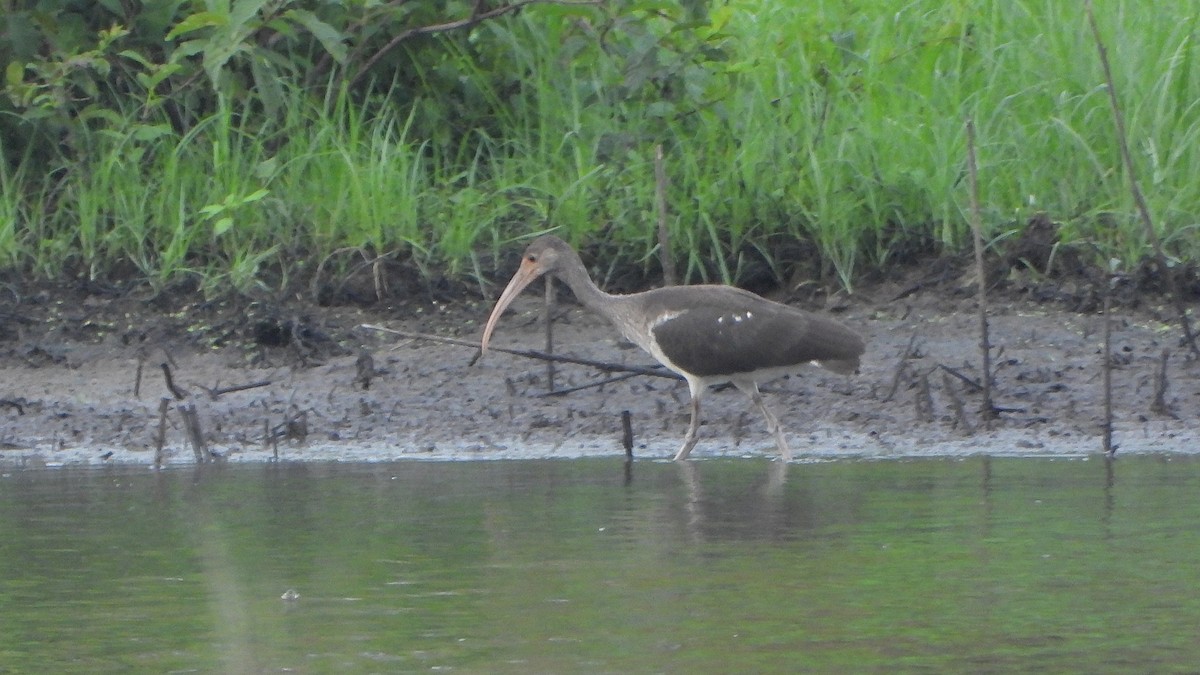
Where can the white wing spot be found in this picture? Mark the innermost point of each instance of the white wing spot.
(720, 319)
(737, 318)
(749, 315)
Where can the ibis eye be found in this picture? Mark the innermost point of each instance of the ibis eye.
(531, 258)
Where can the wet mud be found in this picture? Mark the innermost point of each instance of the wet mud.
(327, 389)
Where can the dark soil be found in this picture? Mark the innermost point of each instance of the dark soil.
(333, 390)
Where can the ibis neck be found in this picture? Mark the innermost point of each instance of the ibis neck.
(588, 294)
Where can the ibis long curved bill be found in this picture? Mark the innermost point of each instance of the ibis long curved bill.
(526, 274)
(709, 334)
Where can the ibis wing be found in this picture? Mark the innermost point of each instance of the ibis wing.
(747, 333)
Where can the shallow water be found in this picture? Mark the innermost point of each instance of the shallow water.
(578, 566)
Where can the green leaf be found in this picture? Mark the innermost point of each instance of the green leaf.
(150, 132)
(266, 85)
(136, 57)
(215, 58)
(245, 10)
(14, 74)
(222, 226)
(330, 38)
(255, 196)
(196, 22)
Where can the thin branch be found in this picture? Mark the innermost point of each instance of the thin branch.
(216, 392)
(987, 409)
(1138, 198)
(653, 371)
(548, 318)
(1107, 365)
(178, 393)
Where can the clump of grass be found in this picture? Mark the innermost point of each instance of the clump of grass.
(837, 125)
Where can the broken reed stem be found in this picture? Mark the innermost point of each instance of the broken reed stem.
(987, 409)
(191, 424)
(178, 393)
(1109, 449)
(924, 400)
(160, 440)
(627, 434)
(1138, 198)
(217, 392)
(548, 317)
(589, 385)
(137, 377)
(901, 369)
(961, 421)
(364, 369)
(1159, 406)
(664, 234)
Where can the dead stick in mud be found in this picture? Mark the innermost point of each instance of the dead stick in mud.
(1109, 449)
(178, 393)
(627, 434)
(901, 369)
(191, 424)
(665, 254)
(548, 317)
(1159, 406)
(969, 382)
(161, 440)
(961, 421)
(1135, 189)
(924, 400)
(986, 408)
(589, 385)
(653, 371)
(137, 376)
(217, 392)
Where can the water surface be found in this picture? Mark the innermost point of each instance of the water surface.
(580, 566)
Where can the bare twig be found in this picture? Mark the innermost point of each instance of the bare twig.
(1109, 449)
(901, 369)
(589, 385)
(1138, 198)
(987, 409)
(627, 434)
(216, 392)
(161, 439)
(653, 371)
(971, 383)
(924, 400)
(191, 424)
(137, 377)
(548, 318)
(665, 254)
(1160, 406)
(961, 421)
(364, 369)
(178, 393)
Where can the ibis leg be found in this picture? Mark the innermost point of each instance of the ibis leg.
(772, 423)
(689, 441)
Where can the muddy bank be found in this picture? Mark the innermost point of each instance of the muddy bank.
(69, 394)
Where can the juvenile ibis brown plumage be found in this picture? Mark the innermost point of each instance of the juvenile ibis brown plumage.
(709, 334)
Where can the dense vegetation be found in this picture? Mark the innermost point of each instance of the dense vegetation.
(262, 143)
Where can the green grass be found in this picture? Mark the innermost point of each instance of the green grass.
(838, 125)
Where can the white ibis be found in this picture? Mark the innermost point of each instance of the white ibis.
(709, 334)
